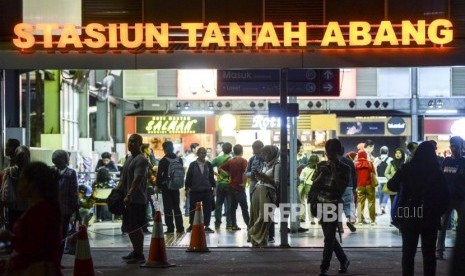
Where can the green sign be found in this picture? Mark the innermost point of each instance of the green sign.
(171, 124)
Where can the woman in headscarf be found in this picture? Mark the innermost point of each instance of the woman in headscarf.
(393, 166)
(306, 184)
(423, 198)
(265, 192)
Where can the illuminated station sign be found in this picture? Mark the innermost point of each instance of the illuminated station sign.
(194, 35)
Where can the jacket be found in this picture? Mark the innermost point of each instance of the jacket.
(364, 168)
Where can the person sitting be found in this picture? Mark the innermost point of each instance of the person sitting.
(102, 188)
(107, 163)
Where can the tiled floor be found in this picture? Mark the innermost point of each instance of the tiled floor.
(108, 234)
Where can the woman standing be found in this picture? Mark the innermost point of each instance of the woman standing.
(265, 192)
(393, 166)
(33, 255)
(423, 198)
(306, 184)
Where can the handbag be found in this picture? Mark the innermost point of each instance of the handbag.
(386, 190)
(115, 201)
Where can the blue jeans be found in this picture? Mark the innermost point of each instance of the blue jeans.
(348, 205)
(222, 196)
(383, 198)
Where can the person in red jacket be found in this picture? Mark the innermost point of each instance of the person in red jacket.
(365, 191)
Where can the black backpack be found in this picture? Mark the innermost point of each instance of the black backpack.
(381, 168)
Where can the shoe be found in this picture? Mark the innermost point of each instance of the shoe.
(383, 211)
(323, 272)
(373, 223)
(146, 231)
(169, 232)
(209, 230)
(302, 220)
(129, 256)
(312, 222)
(217, 225)
(189, 229)
(235, 228)
(351, 227)
(180, 231)
(270, 240)
(344, 266)
(439, 255)
(228, 227)
(137, 259)
(302, 230)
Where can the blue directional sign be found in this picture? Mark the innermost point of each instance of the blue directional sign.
(265, 82)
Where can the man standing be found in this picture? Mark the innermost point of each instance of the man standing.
(236, 169)
(191, 157)
(200, 184)
(134, 183)
(222, 181)
(454, 171)
(170, 197)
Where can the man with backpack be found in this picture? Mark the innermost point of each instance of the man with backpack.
(170, 178)
(381, 164)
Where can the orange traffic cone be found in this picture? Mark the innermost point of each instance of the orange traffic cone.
(157, 254)
(83, 264)
(198, 240)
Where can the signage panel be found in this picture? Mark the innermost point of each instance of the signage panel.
(301, 82)
(396, 125)
(362, 128)
(170, 124)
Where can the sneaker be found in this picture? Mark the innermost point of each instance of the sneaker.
(351, 227)
(302, 230)
(344, 266)
(129, 256)
(217, 225)
(270, 240)
(180, 231)
(228, 227)
(189, 229)
(235, 228)
(373, 223)
(137, 259)
(312, 222)
(209, 230)
(439, 255)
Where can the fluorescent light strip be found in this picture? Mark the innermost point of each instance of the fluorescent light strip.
(197, 112)
(441, 111)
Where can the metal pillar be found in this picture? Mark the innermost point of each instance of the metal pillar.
(27, 100)
(293, 193)
(414, 104)
(2, 116)
(284, 177)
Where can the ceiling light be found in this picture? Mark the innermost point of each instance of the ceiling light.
(441, 111)
(197, 112)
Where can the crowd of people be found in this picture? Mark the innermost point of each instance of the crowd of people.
(414, 179)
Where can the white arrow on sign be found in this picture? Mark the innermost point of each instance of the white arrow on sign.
(328, 75)
(327, 87)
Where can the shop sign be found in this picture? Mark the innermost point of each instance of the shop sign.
(265, 122)
(396, 125)
(362, 128)
(122, 36)
(171, 124)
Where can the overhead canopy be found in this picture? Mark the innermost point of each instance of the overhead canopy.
(219, 59)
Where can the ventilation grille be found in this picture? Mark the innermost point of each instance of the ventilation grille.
(111, 11)
(458, 81)
(366, 82)
(278, 11)
(167, 83)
